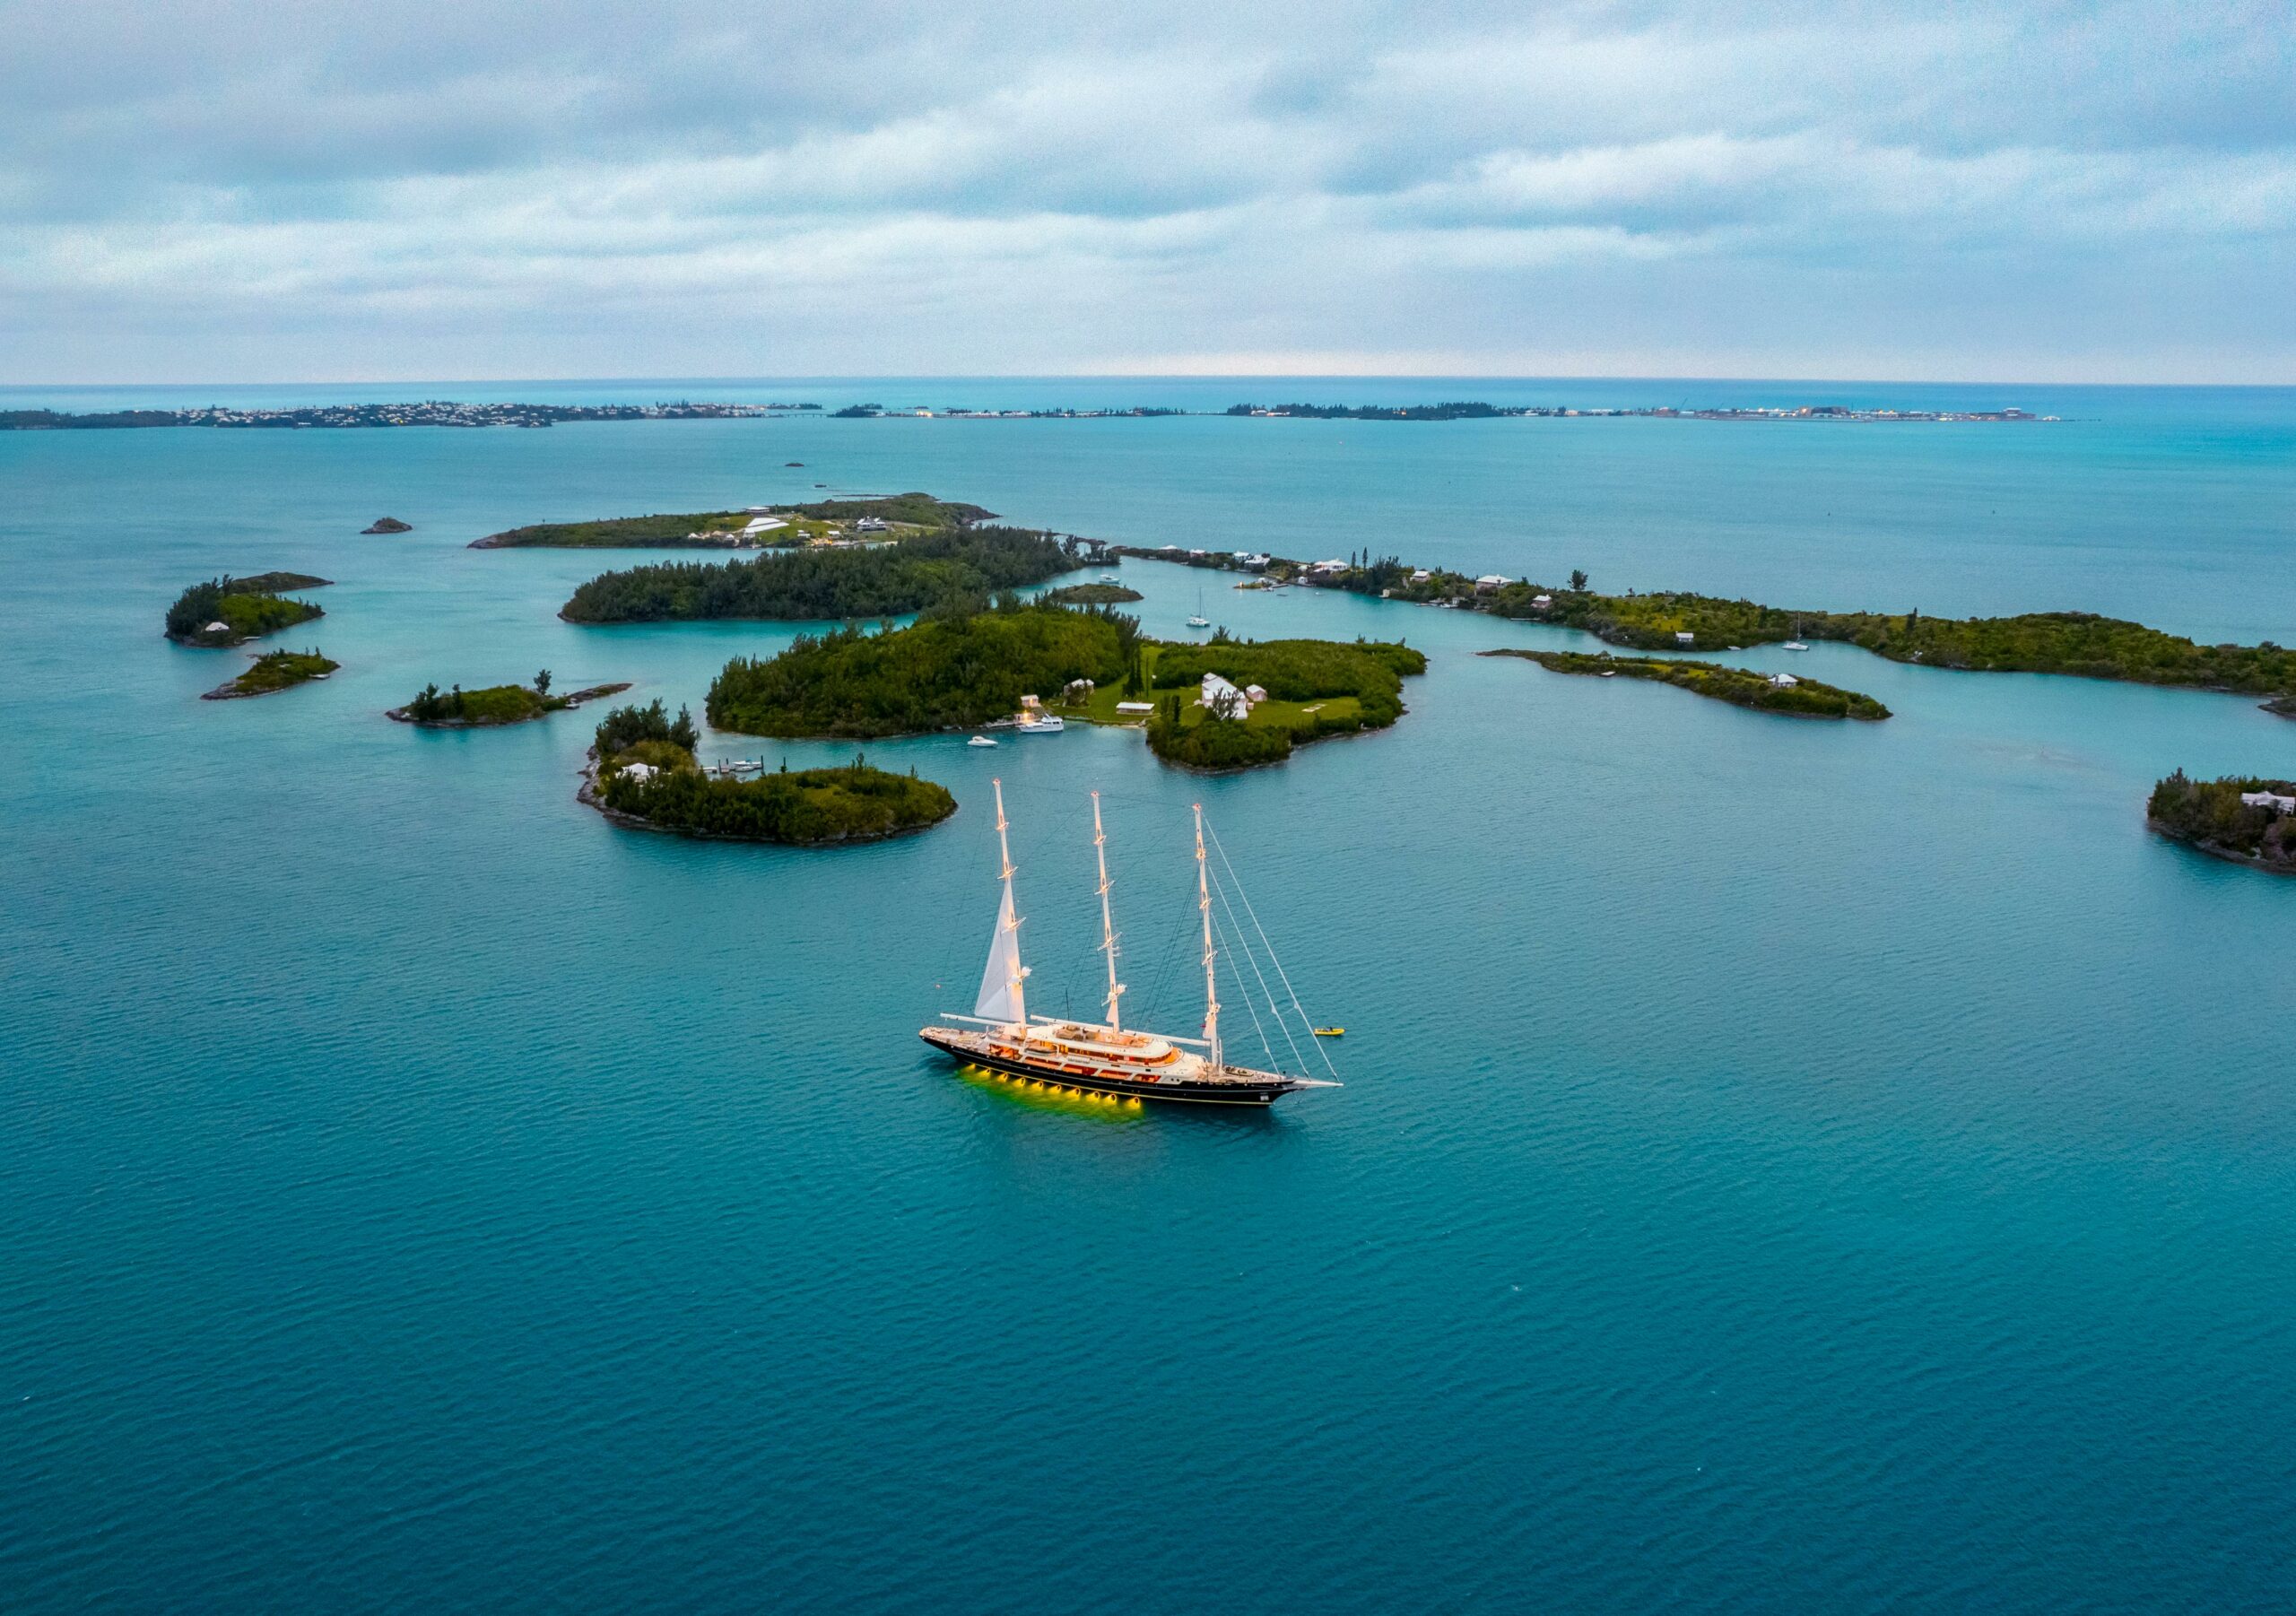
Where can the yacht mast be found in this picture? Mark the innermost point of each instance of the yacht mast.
(1210, 985)
(1108, 925)
(1012, 916)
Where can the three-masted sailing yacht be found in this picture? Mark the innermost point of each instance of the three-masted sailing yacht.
(1100, 1057)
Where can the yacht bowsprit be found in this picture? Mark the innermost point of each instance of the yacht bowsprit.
(1103, 1057)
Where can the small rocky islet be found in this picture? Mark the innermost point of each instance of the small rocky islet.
(228, 610)
(495, 705)
(1785, 694)
(641, 774)
(273, 671)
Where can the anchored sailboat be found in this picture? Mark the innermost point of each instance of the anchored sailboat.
(1101, 1059)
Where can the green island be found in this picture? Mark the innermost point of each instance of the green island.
(388, 525)
(230, 610)
(497, 704)
(274, 670)
(2082, 644)
(1089, 594)
(2248, 821)
(775, 526)
(963, 668)
(643, 776)
(1315, 689)
(886, 580)
(1741, 687)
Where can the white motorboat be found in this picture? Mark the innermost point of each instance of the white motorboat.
(980, 741)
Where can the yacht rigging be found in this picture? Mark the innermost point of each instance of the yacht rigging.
(1103, 1058)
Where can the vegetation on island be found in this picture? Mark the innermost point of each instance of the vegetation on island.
(889, 581)
(1089, 594)
(496, 704)
(228, 610)
(807, 808)
(1741, 687)
(1457, 410)
(801, 524)
(2282, 705)
(388, 525)
(965, 667)
(1316, 688)
(2079, 643)
(2083, 644)
(957, 667)
(429, 412)
(810, 807)
(274, 670)
(2209, 815)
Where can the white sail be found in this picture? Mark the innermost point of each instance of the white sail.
(1000, 984)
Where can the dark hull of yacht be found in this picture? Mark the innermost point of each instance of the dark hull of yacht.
(1241, 1087)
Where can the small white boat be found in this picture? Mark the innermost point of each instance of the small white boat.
(1199, 622)
(1794, 645)
(1107, 578)
(1607, 674)
(980, 741)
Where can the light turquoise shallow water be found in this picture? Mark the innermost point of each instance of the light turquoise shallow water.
(1782, 1165)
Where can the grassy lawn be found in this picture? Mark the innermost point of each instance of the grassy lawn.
(1300, 718)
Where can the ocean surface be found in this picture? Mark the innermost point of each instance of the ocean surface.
(1782, 1165)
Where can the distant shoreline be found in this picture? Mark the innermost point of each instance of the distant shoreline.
(436, 413)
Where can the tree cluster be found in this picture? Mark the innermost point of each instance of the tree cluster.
(969, 564)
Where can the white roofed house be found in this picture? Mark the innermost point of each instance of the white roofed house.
(1488, 582)
(2273, 800)
(1223, 699)
(1784, 681)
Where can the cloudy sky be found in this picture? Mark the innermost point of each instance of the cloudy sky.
(248, 191)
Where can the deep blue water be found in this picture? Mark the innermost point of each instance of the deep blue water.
(1782, 1165)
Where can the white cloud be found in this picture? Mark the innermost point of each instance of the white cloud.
(893, 187)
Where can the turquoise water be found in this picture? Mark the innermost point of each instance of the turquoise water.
(1782, 1165)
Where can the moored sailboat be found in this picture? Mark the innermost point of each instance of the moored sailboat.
(1103, 1057)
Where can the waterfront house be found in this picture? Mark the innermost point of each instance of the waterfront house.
(1420, 574)
(640, 771)
(1542, 600)
(1685, 638)
(1077, 689)
(1784, 681)
(1489, 583)
(1223, 699)
(1135, 709)
(2268, 799)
